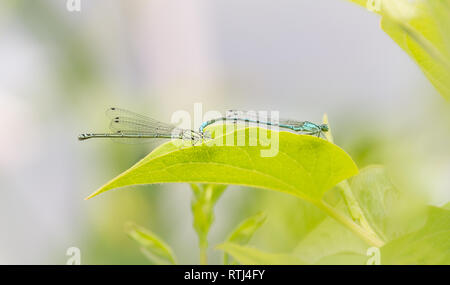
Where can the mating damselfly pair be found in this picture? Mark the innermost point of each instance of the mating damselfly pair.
(126, 125)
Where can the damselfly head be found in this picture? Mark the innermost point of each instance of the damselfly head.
(324, 128)
(206, 135)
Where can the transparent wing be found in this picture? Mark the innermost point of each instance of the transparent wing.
(130, 123)
(122, 114)
(129, 126)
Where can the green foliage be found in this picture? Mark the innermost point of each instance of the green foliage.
(204, 198)
(390, 212)
(429, 245)
(242, 234)
(394, 215)
(245, 230)
(329, 238)
(347, 258)
(305, 166)
(151, 245)
(358, 213)
(253, 256)
(422, 30)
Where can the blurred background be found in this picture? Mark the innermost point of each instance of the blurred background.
(60, 70)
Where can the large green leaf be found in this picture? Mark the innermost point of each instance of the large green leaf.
(289, 220)
(390, 212)
(153, 247)
(429, 245)
(422, 30)
(252, 256)
(347, 258)
(329, 238)
(304, 166)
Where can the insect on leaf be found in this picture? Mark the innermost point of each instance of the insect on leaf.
(304, 166)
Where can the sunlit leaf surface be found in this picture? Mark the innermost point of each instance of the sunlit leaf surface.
(390, 212)
(429, 245)
(302, 165)
(202, 207)
(252, 256)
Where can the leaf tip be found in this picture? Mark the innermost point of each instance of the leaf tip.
(92, 195)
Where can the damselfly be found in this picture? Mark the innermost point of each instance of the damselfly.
(127, 125)
(303, 127)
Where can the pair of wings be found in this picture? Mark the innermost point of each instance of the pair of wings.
(129, 123)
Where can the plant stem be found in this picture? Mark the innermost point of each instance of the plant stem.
(367, 236)
(353, 206)
(225, 259)
(365, 231)
(203, 256)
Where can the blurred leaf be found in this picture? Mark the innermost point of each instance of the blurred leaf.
(252, 256)
(360, 2)
(446, 206)
(290, 221)
(390, 212)
(329, 238)
(202, 206)
(151, 245)
(303, 166)
(244, 231)
(422, 30)
(428, 246)
(347, 258)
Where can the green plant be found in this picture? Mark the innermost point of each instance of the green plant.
(422, 30)
(369, 212)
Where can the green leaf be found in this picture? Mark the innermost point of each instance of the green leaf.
(390, 212)
(422, 30)
(446, 206)
(304, 166)
(151, 245)
(362, 3)
(429, 245)
(290, 220)
(329, 238)
(347, 258)
(245, 230)
(204, 198)
(242, 234)
(252, 256)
